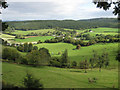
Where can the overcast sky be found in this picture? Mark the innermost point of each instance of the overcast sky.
(52, 10)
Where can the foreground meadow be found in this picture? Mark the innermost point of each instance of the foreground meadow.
(53, 77)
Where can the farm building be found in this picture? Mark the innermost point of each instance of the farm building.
(90, 31)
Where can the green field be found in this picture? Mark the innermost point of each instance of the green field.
(34, 31)
(34, 39)
(105, 31)
(84, 52)
(52, 77)
(6, 36)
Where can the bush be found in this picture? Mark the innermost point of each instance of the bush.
(55, 62)
(10, 54)
(31, 82)
(74, 64)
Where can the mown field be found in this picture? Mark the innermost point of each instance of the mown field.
(84, 52)
(6, 36)
(105, 31)
(34, 31)
(52, 77)
(34, 39)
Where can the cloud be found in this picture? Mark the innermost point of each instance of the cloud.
(53, 9)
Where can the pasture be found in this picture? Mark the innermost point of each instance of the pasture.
(105, 31)
(34, 31)
(63, 78)
(34, 39)
(84, 52)
(6, 36)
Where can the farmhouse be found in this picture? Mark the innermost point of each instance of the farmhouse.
(90, 31)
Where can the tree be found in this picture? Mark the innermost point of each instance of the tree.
(86, 65)
(3, 4)
(26, 47)
(64, 58)
(20, 48)
(31, 82)
(55, 61)
(30, 47)
(100, 63)
(35, 48)
(39, 42)
(118, 54)
(106, 4)
(92, 62)
(34, 58)
(10, 54)
(74, 63)
(45, 56)
(105, 59)
(78, 46)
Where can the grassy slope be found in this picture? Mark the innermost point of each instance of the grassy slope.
(52, 77)
(6, 37)
(33, 39)
(84, 52)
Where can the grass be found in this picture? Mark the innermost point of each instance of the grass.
(34, 39)
(105, 31)
(34, 31)
(84, 52)
(52, 77)
(6, 36)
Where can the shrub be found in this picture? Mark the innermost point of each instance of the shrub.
(74, 63)
(10, 54)
(31, 82)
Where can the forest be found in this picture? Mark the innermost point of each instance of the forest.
(70, 24)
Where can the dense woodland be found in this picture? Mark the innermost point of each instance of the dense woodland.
(70, 24)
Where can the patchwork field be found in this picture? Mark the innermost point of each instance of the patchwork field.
(34, 39)
(52, 77)
(30, 31)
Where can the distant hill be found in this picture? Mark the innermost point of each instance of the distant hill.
(71, 24)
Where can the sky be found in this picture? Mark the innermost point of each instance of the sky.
(53, 10)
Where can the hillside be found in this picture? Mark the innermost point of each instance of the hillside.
(70, 24)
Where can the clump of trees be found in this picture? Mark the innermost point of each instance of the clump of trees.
(34, 58)
(84, 65)
(60, 62)
(20, 36)
(99, 60)
(10, 54)
(26, 47)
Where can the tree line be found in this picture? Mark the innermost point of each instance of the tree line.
(42, 56)
(70, 24)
